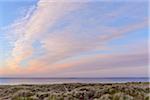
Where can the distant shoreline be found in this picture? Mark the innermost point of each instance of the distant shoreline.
(74, 77)
(17, 81)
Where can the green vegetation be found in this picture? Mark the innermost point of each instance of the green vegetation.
(77, 91)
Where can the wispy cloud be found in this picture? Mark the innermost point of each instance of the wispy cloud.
(77, 46)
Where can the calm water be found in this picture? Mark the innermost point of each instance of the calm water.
(11, 81)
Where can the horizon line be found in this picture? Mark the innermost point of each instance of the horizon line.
(71, 77)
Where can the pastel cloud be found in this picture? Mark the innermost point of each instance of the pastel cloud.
(65, 50)
(45, 16)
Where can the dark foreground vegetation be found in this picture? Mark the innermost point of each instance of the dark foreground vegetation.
(77, 91)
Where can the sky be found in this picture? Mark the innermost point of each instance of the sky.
(60, 38)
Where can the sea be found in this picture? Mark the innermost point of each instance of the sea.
(18, 81)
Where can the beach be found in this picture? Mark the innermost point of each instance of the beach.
(77, 91)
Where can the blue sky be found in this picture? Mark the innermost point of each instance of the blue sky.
(77, 39)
